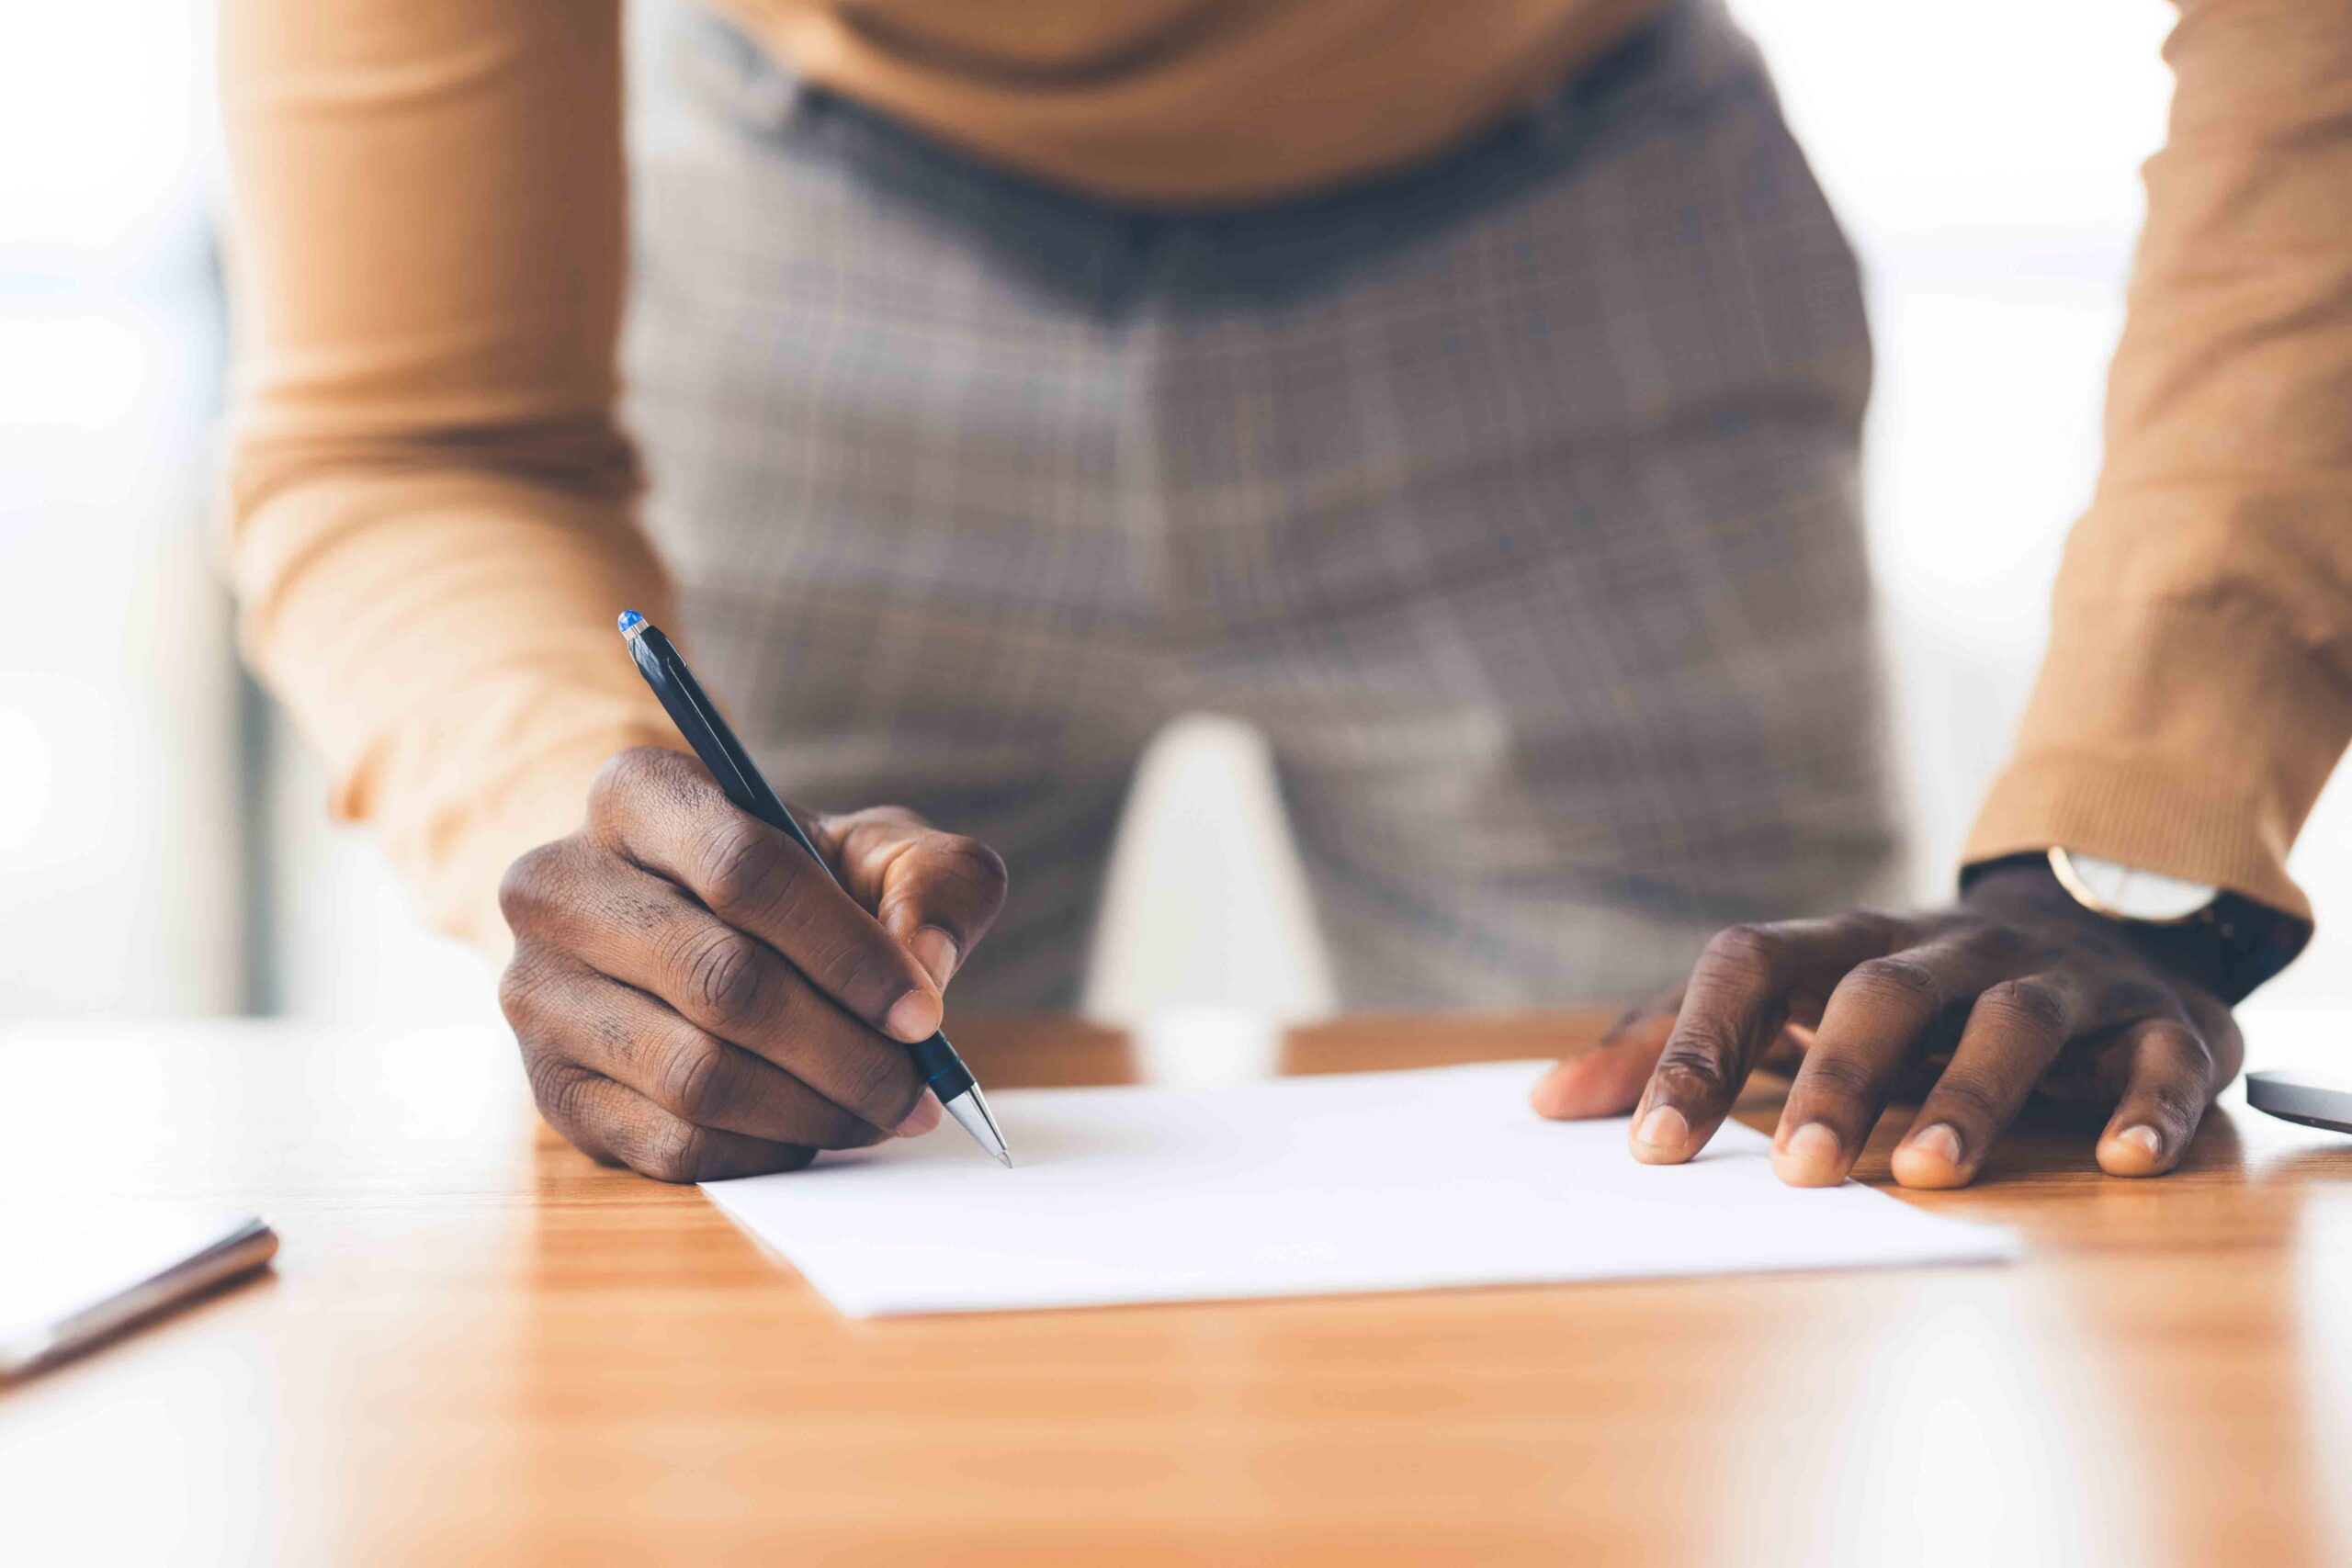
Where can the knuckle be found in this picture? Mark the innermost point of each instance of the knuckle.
(692, 1078)
(558, 1089)
(522, 991)
(532, 881)
(2191, 1047)
(2035, 1004)
(2179, 1103)
(1752, 948)
(721, 977)
(676, 1151)
(742, 874)
(2188, 1059)
(977, 865)
(624, 774)
(517, 992)
(1898, 980)
(1699, 1065)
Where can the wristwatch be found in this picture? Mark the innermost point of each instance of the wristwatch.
(2227, 942)
(2126, 893)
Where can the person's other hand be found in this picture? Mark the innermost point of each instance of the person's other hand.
(2016, 988)
(696, 998)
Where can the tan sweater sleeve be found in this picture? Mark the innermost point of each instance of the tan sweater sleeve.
(432, 509)
(2197, 688)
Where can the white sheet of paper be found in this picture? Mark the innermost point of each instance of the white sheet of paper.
(1366, 1181)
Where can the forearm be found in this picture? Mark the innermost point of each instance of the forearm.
(430, 506)
(443, 639)
(2198, 689)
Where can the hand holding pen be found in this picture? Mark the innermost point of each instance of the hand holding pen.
(697, 997)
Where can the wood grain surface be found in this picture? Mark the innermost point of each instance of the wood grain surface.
(476, 1346)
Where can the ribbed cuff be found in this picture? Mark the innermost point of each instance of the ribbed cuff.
(2182, 739)
(2132, 817)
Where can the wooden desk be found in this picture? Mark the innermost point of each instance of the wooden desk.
(478, 1347)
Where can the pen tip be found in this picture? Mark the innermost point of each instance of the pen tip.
(971, 1110)
(631, 623)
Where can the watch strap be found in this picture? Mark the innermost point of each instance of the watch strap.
(2230, 946)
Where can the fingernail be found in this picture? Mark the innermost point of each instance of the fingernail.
(936, 951)
(912, 1017)
(1663, 1128)
(2143, 1137)
(1941, 1141)
(1930, 1158)
(922, 1118)
(1811, 1152)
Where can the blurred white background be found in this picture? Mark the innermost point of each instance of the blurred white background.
(1983, 156)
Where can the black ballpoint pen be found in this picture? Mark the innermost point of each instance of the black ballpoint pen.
(698, 719)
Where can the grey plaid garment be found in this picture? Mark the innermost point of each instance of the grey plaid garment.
(1514, 497)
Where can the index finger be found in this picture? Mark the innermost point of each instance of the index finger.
(1738, 996)
(664, 812)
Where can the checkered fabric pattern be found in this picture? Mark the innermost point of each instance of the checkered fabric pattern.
(1513, 497)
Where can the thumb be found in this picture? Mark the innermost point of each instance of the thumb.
(1608, 1080)
(937, 893)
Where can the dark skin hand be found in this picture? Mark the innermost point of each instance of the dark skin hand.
(696, 998)
(2015, 990)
